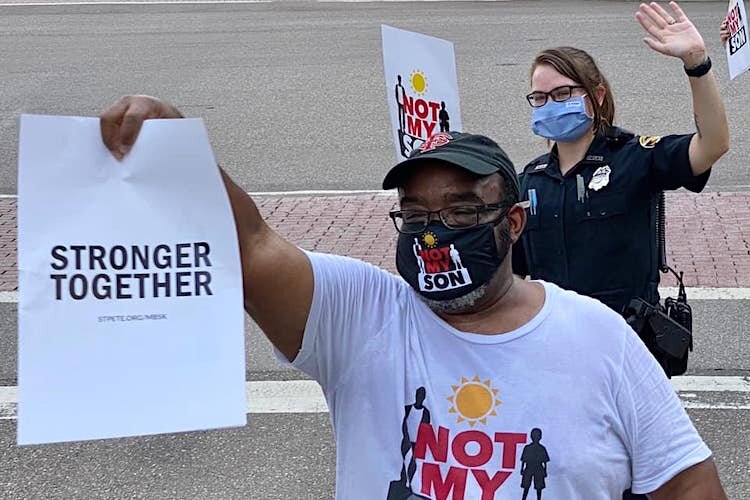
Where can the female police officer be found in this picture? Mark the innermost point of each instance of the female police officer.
(593, 197)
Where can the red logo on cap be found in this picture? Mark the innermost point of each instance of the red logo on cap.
(435, 141)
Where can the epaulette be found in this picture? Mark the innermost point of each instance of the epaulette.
(536, 165)
(618, 137)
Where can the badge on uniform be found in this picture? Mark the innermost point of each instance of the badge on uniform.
(594, 158)
(600, 178)
(649, 141)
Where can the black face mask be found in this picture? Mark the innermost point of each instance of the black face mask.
(444, 264)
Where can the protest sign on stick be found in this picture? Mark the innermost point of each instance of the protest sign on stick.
(421, 85)
(130, 304)
(738, 51)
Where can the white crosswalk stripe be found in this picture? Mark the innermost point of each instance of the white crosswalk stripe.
(305, 396)
(693, 294)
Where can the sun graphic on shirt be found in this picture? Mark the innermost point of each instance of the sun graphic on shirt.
(430, 239)
(418, 82)
(474, 401)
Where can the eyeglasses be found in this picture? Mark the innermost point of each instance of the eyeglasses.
(558, 94)
(462, 217)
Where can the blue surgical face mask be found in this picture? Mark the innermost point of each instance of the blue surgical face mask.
(565, 121)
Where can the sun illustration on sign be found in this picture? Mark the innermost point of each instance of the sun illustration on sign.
(419, 82)
(474, 401)
(430, 239)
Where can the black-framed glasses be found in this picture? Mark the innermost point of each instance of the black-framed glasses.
(461, 217)
(558, 94)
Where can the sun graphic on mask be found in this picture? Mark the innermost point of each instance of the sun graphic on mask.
(430, 239)
(474, 401)
(419, 82)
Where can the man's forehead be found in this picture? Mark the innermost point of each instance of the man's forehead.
(438, 172)
(461, 186)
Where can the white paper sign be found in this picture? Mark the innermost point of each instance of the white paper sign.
(130, 309)
(738, 51)
(422, 88)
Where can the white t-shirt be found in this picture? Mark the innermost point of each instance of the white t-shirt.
(571, 403)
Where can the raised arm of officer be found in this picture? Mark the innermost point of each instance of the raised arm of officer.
(675, 35)
(277, 276)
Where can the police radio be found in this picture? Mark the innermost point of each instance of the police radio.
(665, 329)
(677, 309)
(681, 313)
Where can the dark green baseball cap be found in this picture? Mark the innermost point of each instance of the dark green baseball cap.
(476, 153)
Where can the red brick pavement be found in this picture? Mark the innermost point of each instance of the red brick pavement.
(708, 235)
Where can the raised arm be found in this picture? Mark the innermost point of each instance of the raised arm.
(277, 276)
(676, 36)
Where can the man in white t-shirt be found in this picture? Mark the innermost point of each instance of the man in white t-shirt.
(460, 382)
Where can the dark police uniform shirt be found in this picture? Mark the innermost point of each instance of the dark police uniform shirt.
(603, 242)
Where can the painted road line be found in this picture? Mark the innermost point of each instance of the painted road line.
(403, 1)
(135, 2)
(310, 192)
(207, 2)
(8, 402)
(693, 294)
(692, 405)
(305, 396)
(698, 293)
(691, 384)
(291, 396)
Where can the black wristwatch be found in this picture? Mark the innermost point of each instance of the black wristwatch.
(699, 70)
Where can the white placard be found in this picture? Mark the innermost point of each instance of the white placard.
(130, 308)
(421, 85)
(737, 49)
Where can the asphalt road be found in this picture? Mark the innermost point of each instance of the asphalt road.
(294, 99)
(274, 457)
(293, 93)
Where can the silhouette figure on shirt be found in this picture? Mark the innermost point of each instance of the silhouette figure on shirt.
(534, 460)
(445, 124)
(415, 415)
(400, 98)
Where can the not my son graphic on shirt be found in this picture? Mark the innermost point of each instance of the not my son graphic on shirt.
(442, 463)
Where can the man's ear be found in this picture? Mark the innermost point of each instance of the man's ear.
(516, 221)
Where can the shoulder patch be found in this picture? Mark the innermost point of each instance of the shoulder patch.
(649, 141)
